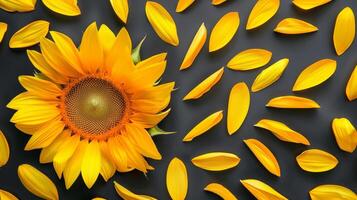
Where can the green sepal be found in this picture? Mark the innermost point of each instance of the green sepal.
(154, 131)
(135, 55)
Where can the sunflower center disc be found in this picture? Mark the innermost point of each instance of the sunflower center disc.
(94, 105)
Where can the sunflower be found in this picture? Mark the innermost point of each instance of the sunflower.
(89, 109)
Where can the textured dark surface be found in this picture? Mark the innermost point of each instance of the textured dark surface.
(302, 50)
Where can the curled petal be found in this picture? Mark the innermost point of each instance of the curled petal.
(332, 192)
(262, 12)
(176, 179)
(309, 4)
(30, 34)
(128, 195)
(264, 155)
(294, 102)
(342, 36)
(294, 26)
(3, 29)
(351, 88)
(64, 7)
(183, 4)
(345, 134)
(205, 85)
(195, 47)
(162, 22)
(4, 195)
(36, 182)
(238, 106)
(223, 32)
(250, 59)
(217, 2)
(4, 150)
(204, 126)
(216, 161)
(121, 9)
(270, 75)
(315, 74)
(220, 190)
(18, 5)
(282, 132)
(315, 160)
(261, 191)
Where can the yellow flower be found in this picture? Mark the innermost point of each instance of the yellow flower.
(89, 109)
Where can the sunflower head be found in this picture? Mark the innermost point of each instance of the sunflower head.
(89, 108)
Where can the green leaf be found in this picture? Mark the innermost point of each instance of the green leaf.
(135, 55)
(158, 131)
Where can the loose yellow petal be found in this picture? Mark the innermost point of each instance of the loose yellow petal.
(262, 12)
(18, 5)
(91, 163)
(323, 192)
(162, 22)
(204, 126)
(183, 4)
(238, 106)
(3, 29)
(270, 75)
(195, 47)
(264, 155)
(121, 9)
(343, 37)
(250, 59)
(315, 74)
(64, 7)
(128, 195)
(294, 102)
(223, 31)
(216, 161)
(217, 2)
(294, 26)
(36, 182)
(176, 179)
(4, 150)
(98, 198)
(221, 191)
(315, 160)
(29, 35)
(351, 88)
(309, 4)
(345, 134)
(4, 195)
(261, 191)
(282, 132)
(205, 85)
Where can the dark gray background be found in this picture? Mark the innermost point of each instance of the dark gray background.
(302, 50)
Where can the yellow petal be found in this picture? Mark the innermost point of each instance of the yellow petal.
(107, 38)
(176, 179)
(121, 9)
(250, 59)
(223, 31)
(205, 85)
(294, 26)
(261, 191)
(216, 161)
(221, 191)
(294, 102)
(315, 74)
(315, 160)
(204, 126)
(91, 163)
(323, 192)
(39, 87)
(343, 37)
(264, 155)
(217, 2)
(4, 150)
(128, 195)
(4, 195)
(18, 5)
(270, 75)
(195, 47)
(49, 152)
(345, 134)
(309, 4)
(238, 106)
(30, 34)
(282, 132)
(351, 88)
(3, 29)
(162, 22)
(183, 4)
(98, 198)
(64, 7)
(262, 11)
(35, 115)
(36, 182)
